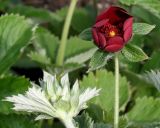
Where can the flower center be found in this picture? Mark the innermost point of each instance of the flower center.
(112, 33)
(110, 30)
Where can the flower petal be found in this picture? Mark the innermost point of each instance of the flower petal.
(114, 44)
(113, 48)
(101, 23)
(102, 40)
(128, 23)
(127, 34)
(114, 14)
(95, 36)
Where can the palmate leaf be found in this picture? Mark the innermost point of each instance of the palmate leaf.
(134, 53)
(16, 121)
(105, 80)
(146, 110)
(9, 86)
(15, 33)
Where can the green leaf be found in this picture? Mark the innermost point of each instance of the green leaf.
(86, 34)
(84, 121)
(142, 28)
(134, 53)
(76, 46)
(153, 77)
(127, 2)
(102, 125)
(39, 58)
(106, 80)
(145, 125)
(10, 86)
(15, 33)
(78, 24)
(82, 19)
(153, 62)
(37, 13)
(16, 121)
(146, 110)
(99, 59)
(98, 115)
(82, 57)
(153, 6)
(45, 44)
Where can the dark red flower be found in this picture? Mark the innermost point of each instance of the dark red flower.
(113, 29)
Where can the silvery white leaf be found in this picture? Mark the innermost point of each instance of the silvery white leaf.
(87, 95)
(66, 87)
(41, 117)
(49, 80)
(33, 101)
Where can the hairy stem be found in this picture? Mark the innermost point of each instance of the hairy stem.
(116, 106)
(62, 47)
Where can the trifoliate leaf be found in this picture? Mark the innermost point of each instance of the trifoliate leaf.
(15, 33)
(142, 28)
(99, 59)
(134, 53)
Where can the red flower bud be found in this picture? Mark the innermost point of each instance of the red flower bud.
(113, 29)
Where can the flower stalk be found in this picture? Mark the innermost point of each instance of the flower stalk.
(62, 47)
(116, 106)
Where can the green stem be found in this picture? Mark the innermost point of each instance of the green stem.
(116, 109)
(62, 47)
